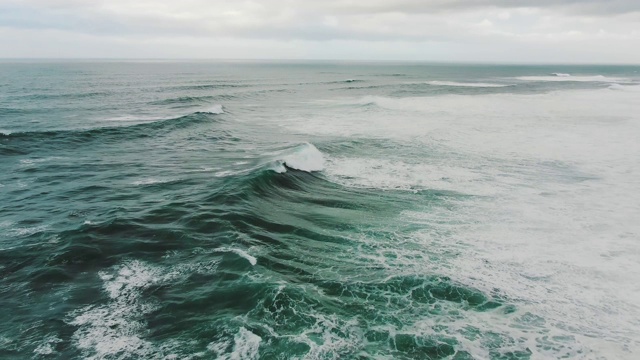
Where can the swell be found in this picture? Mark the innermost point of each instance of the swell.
(210, 86)
(184, 100)
(292, 225)
(65, 96)
(12, 111)
(21, 142)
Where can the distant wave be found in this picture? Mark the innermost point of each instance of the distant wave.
(79, 95)
(345, 81)
(365, 87)
(106, 134)
(184, 100)
(568, 77)
(11, 111)
(627, 88)
(209, 86)
(465, 84)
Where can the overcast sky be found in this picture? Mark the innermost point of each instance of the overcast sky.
(573, 31)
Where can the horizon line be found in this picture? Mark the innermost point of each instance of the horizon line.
(414, 61)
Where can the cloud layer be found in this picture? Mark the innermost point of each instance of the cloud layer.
(471, 30)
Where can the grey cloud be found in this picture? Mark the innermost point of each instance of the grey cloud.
(578, 7)
(460, 22)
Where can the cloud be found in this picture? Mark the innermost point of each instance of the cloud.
(458, 22)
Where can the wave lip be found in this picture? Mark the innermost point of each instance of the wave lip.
(138, 129)
(215, 110)
(465, 84)
(305, 157)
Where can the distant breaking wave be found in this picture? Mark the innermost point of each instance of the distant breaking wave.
(56, 138)
(464, 84)
(569, 77)
(627, 88)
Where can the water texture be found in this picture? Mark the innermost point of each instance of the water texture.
(318, 210)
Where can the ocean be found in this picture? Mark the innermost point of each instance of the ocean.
(318, 210)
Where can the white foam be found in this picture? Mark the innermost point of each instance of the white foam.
(47, 346)
(561, 74)
(252, 260)
(465, 84)
(567, 77)
(399, 175)
(215, 109)
(5, 132)
(26, 231)
(29, 162)
(150, 181)
(628, 88)
(323, 340)
(305, 157)
(246, 345)
(556, 230)
(116, 329)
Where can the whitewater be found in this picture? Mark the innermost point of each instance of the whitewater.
(318, 210)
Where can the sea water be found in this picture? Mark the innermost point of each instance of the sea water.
(318, 210)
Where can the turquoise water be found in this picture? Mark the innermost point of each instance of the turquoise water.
(246, 210)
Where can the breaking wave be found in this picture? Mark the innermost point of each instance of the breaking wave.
(466, 84)
(305, 157)
(106, 134)
(571, 78)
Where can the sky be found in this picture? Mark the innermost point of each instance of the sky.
(518, 31)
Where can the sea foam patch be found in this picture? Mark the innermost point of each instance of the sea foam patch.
(118, 328)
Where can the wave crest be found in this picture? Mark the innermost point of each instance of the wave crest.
(465, 84)
(215, 110)
(569, 77)
(305, 157)
(627, 88)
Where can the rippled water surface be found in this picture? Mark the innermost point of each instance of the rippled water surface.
(242, 210)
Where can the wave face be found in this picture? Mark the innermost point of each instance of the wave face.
(318, 211)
